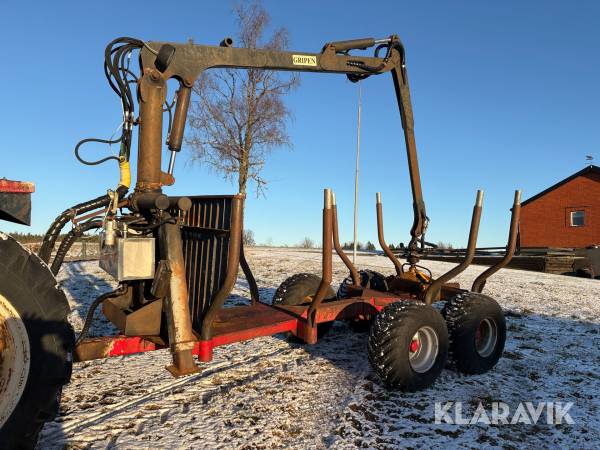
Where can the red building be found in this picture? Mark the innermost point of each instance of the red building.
(565, 215)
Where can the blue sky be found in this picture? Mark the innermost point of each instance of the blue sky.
(506, 95)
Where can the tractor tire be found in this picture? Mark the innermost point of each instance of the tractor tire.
(408, 345)
(298, 290)
(477, 332)
(368, 279)
(36, 345)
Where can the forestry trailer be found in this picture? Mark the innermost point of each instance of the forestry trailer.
(176, 259)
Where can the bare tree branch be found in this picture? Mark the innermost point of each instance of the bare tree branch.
(237, 117)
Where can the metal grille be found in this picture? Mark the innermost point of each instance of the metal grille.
(205, 235)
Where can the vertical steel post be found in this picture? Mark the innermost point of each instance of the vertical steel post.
(327, 265)
(479, 282)
(384, 246)
(336, 243)
(434, 288)
(179, 321)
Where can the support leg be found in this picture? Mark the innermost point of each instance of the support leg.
(179, 322)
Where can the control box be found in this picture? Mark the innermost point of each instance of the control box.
(129, 258)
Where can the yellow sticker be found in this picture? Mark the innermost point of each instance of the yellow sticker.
(304, 60)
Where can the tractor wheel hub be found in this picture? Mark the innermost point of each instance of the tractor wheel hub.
(15, 356)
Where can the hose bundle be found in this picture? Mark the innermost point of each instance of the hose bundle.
(56, 227)
(69, 240)
(117, 58)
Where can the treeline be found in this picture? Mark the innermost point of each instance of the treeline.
(31, 238)
(359, 246)
(28, 238)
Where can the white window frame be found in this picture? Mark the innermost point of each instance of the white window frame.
(572, 215)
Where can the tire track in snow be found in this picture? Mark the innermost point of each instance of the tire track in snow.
(203, 385)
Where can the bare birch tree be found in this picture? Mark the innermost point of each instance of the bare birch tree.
(238, 117)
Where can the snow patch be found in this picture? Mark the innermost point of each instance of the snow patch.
(273, 393)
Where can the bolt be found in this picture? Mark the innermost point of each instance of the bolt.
(154, 75)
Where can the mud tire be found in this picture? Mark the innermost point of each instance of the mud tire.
(467, 314)
(297, 289)
(368, 279)
(390, 345)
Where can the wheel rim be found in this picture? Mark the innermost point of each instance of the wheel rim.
(14, 358)
(486, 337)
(423, 349)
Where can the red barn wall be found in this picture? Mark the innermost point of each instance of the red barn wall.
(545, 222)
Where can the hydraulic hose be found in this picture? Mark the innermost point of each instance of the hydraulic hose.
(69, 240)
(56, 227)
(90, 314)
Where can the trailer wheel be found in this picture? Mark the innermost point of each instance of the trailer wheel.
(36, 344)
(298, 290)
(361, 325)
(368, 279)
(408, 345)
(477, 331)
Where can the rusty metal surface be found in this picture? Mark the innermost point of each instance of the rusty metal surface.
(327, 263)
(106, 347)
(381, 238)
(179, 322)
(206, 237)
(254, 296)
(139, 201)
(151, 96)
(205, 257)
(338, 248)
(479, 282)
(162, 279)
(433, 291)
(22, 187)
(189, 61)
(417, 232)
(369, 303)
(233, 264)
(143, 321)
(238, 318)
(15, 207)
(180, 117)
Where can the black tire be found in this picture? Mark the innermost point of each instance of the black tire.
(368, 279)
(391, 341)
(360, 325)
(297, 290)
(30, 288)
(477, 332)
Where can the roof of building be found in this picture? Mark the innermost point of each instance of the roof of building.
(584, 171)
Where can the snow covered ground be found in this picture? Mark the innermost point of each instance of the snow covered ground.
(271, 393)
